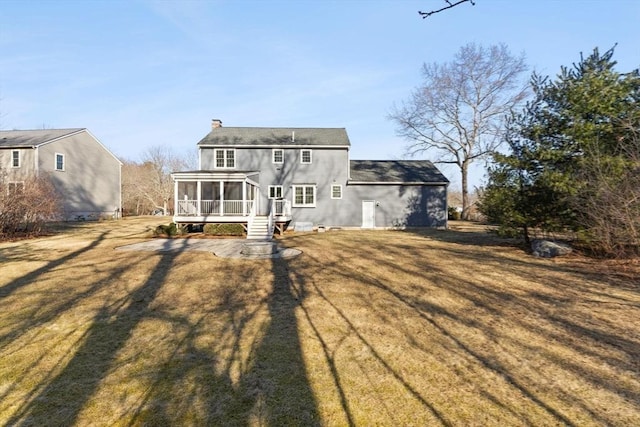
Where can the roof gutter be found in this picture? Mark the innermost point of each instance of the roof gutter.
(397, 183)
(308, 146)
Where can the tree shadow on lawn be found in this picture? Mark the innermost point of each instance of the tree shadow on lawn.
(31, 277)
(251, 370)
(537, 311)
(270, 386)
(66, 394)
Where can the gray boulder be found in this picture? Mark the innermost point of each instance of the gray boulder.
(549, 249)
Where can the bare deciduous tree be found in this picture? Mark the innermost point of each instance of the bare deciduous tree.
(147, 186)
(26, 206)
(609, 205)
(458, 112)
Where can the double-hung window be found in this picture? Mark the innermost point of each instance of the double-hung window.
(304, 196)
(225, 158)
(15, 159)
(275, 191)
(278, 156)
(15, 187)
(59, 162)
(336, 191)
(305, 157)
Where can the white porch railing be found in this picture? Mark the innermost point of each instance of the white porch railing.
(212, 207)
(252, 213)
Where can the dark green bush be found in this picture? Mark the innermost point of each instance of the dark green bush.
(223, 229)
(166, 230)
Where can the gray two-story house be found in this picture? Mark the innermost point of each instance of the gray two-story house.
(268, 178)
(84, 172)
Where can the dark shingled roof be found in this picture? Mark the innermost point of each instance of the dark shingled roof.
(31, 138)
(396, 171)
(230, 136)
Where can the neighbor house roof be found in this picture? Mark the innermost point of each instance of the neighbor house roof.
(32, 138)
(268, 137)
(395, 172)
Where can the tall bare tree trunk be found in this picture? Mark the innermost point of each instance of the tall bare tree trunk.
(458, 112)
(466, 209)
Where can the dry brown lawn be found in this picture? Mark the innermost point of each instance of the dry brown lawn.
(364, 328)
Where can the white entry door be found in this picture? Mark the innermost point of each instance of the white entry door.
(368, 213)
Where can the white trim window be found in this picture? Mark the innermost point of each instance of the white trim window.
(305, 156)
(275, 191)
(225, 158)
(304, 196)
(336, 191)
(278, 156)
(15, 158)
(59, 165)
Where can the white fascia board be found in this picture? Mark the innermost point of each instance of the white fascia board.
(215, 176)
(103, 146)
(62, 137)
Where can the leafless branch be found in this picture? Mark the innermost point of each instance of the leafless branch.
(457, 113)
(449, 6)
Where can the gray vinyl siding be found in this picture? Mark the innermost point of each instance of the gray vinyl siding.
(91, 180)
(397, 205)
(27, 164)
(328, 166)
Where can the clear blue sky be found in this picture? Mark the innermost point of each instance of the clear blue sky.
(144, 73)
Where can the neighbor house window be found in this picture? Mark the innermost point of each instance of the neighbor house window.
(305, 156)
(304, 196)
(15, 159)
(59, 162)
(336, 191)
(225, 158)
(15, 187)
(278, 155)
(275, 191)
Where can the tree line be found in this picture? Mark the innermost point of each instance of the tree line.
(563, 153)
(147, 187)
(573, 158)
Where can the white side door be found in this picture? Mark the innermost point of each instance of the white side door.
(368, 213)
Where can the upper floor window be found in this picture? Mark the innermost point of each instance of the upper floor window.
(59, 162)
(275, 191)
(336, 191)
(278, 155)
(225, 158)
(305, 156)
(304, 196)
(15, 159)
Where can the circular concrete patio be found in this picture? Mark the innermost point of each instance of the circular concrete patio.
(223, 248)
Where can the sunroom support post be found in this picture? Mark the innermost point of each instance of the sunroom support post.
(175, 197)
(199, 196)
(221, 198)
(244, 198)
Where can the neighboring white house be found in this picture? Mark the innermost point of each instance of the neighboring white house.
(85, 173)
(266, 177)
